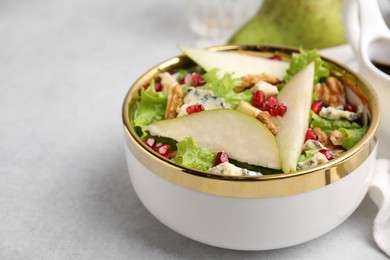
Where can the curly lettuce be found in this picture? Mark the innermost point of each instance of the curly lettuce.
(303, 59)
(150, 108)
(224, 87)
(193, 156)
(328, 125)
(307, 155)
(352, 136)
(352, 131)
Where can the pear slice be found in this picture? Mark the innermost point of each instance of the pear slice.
(241, 136)
(296, 94)
(239, 64)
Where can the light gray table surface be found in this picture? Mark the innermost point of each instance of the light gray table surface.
(65, 67)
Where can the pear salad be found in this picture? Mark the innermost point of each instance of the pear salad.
(243, 115)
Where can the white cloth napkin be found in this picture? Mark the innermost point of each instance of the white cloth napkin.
(380, 194)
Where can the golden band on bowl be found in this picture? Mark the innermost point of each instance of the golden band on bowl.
(266, 186)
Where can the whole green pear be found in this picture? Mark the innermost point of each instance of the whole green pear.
(297, 23)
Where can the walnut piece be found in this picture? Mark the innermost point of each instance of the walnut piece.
(167, 81)
(336, 137)
(337, 92)
(323, 138)
(331, 93)
(175, 94)
(333, 145)
(175, 100)
(266, 119)
(250, 80)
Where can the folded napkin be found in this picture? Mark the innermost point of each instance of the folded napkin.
(380, 193)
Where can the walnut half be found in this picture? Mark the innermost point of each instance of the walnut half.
(175, 100)
(331, 93)
(250, 80)
(175, 94)
(266, 119)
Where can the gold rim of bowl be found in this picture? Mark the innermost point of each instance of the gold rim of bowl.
(266, 186)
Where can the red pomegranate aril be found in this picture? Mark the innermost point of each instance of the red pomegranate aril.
(278, 110)
(310, 135)
(186, 79)
(171, 155)
(194, 108)
(350, 108)
(197, 80)
(162, 149)
(221, 158)
(328, 154)
(277, 82)
(150, 141)
(317, 106)
(276, 57)
(282, 109)
(265, 107)
(272, 101)
(258, 99)
(273, 111)
(157, 86)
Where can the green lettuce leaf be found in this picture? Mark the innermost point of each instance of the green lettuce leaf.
(307, 155)
(329, 125)
(303, 59)
(150, 108)
(191, 155)
(352, 136)
(224, 87)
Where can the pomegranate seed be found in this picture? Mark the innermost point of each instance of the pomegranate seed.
(171, 155)
(197, 79)
(282, 109)
(186, 79)
(273, 111)
(221, 158)
(276, 57)
(194, 108)
(265, 107)
(162, 149)
(258, 99)
(328, 154)
(317, 106)
(150, 141)
(277, 82)
(350, 108)
(310, 135)
(272, 101)
(278, 110)
(157, 86)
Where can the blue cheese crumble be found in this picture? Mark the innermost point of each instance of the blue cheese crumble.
(335, 113)
(206, 98)
(317, 159)
(313, 145)
(229, 169)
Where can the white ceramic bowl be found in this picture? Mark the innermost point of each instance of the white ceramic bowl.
(252, 213)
